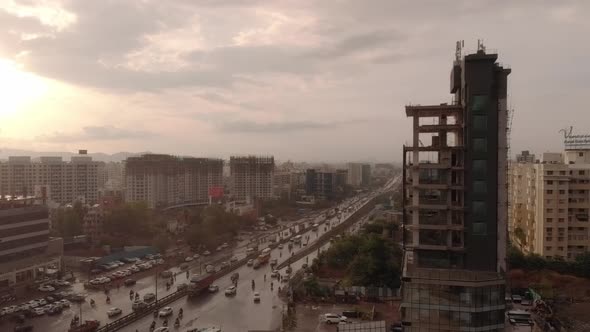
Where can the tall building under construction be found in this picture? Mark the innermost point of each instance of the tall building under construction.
(455, 203)
(251, 177)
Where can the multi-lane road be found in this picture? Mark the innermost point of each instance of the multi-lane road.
(236, 313)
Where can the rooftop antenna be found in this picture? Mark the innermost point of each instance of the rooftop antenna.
(458, 49)
(480, 46)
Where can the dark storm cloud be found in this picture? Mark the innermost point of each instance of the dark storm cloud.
(96, 133)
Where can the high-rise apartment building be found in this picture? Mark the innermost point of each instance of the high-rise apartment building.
(26, 250)
(455, 204)
(321, 183)
(550, 203)
(63, 182)
(358, 174)
(163, 180)
(251, 177)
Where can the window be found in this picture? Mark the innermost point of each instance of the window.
(580, 154)
(549, 219)
(480, 122)
(480, 168)
(480, 228)
(549, 210)
(479, 187)
(549, 192)
(581, 172)
(480, 145)
(549, 172)
(479, 209)
(561, 220)
(479, 103)
(561, 210)
(548, 248)
(549, 181)
(562, 192)
(561, 172)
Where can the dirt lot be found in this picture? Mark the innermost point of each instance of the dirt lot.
(551, 283)
(307, 314)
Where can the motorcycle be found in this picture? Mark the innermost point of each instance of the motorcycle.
(92, 304)
(180, 313)
(108, 300)
(165, 322)
(176, 323)
(155, 314)
(153, 326)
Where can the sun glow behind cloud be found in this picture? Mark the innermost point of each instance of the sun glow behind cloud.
(18, 88)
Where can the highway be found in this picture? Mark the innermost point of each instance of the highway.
(231, 313)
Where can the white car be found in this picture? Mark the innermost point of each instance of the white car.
(206, 253)
(333, 318)
(65, 303)
(112, 312)
(250, 262)
(189, 259)
(281, 246)
(39, 312)
(256, 297)
(231, 290)
(196, 256)
(46, 288)
(213, 288)
(165, 312)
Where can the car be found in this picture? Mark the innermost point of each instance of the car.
(250, 262)
(62, 283)
(183, 266)
(129, 282)
(210, 268)
(231, 290)
(333, 318)
(95, 271)
(149, 297)
(224, 264)
(134, 269)
(64, 303)
(233, 259)
(114, 311)
(189, 259)
(182, 286)
(250, 250)
(23, 328)
(138, 305)
(166, 274)
(54, 310)
(219, 248)
(165, 312)
(159, 261)
(213, 288)
(206, 253)
(275, 274)
(162, 329)
(50, 299)
(281, 246)
(46, 288)
(256, 297)
(196, 256)
(38, 312)
(42, 302)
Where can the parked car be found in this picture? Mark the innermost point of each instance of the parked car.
(182, 286)
(224, 264)
(196, 256)
(206, 253)
(38, 312)
(213, 288)
(210, 268)
(189, 259)
(183, 266)
(166, 274)
(46, 288)
(165, 312)
(55, 309)
(333, 318)
(112, 312)
(250, 262)
(233, 259)
(256, 297)
(231, 290)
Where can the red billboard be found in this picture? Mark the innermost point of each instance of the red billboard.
(216, 192)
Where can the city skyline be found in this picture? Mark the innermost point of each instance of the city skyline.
(180, 77)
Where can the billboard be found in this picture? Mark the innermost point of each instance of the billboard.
(216, 192)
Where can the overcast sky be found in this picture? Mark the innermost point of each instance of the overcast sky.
(303, 80)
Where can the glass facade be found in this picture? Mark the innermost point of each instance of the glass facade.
(453, 308)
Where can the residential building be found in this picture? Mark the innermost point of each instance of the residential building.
(92, 225)
(251, 177)
(63, 182)
(525, 157)
(163, 180)
(283, 184)
(455, 213)
(359, 174)
(321, 183)
(27, 252)
(550, 203)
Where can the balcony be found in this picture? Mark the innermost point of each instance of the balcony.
(433, 110)
(439, 127)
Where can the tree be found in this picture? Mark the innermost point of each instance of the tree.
(67, 222)
(162, 242)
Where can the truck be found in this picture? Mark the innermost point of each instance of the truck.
(199, 284)
(263, 258)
